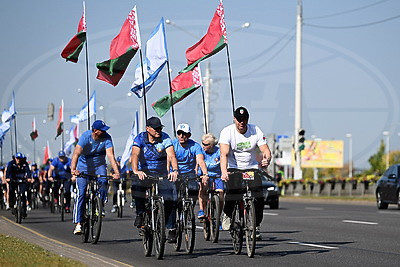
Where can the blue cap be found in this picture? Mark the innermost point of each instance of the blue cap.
(61, 154)
(19, 155)
(34, 164)
(100, 125)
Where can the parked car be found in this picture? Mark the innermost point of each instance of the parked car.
(388, 188)
(271, 191)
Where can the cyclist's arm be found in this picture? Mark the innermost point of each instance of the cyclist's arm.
(224, 150)
(50, 172)
(171, 158)
(74, 160)
(266, 152)
(135, 162)
(114, 165)
(200, 162)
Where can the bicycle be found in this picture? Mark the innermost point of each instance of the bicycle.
(52, 200)
(212, 219)
(186, 224)
(153, 229)
(20, 201)
(243, 218)
(120, 197)
(34, 197)
(61, 200)
(93, 207)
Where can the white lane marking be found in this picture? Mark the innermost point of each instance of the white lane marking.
(313, 208)
(312, 245)
(271, 214)
(359, 222)
(199, 227)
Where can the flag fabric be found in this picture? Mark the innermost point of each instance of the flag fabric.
(4, 127)
(60, 121)
(211, 43)
(83, 114)
(128, 146)
(122, 49)
(73, 139)
(34, 134)
(9, 114)
(47, 153)
(183, 85)
(156, 57)
(74, 47)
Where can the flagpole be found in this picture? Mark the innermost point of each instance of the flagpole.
(204, 110)
(34, 150)
(230, 78)
(170, 97)
(87, 80)
(144, 88)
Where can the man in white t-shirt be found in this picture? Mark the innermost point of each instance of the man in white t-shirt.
(238, 144)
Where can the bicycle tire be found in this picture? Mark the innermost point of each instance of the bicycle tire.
(179, 229)
(237, 230)
(189, 229)
(86, 221)
(52, 204)
(250, 228)
(147, 234)
(215, 218)
(18, 212)
(206, 221)
(159, 230)
(61, 204)
(96, 219)
(120, 205)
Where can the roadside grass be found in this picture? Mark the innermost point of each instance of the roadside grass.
(16, 252)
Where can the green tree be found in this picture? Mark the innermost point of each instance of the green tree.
(377, 161)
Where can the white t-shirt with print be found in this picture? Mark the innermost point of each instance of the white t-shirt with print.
(243, 147)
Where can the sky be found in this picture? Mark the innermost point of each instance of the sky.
(350, 68)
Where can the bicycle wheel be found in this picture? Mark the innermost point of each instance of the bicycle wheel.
(96, 219)
(179, 229)
(19, 210)
(120, 205)
(189, 228)
(86, 221)
(250, 228)
(147, 234)
(237, 230)
(62, 205)
(159, 229)
(206, 222)
(215, 218)
(51, 202)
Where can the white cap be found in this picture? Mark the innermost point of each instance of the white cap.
(184, 127)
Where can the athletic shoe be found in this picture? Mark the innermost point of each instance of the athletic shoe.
(200, 214)
(78, 230)
(258, 233)
(114, 209)
(7, 206)
(103, 213)
(28, 208)
(132, 205)
(172, 236)
(226, 222)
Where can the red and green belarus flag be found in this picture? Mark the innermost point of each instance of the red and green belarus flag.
(211, 43)
(122, 49)
(34, 134)
(74, 47)
(183, 85)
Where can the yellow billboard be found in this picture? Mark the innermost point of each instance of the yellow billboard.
(322, 154)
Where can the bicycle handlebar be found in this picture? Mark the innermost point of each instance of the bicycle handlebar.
(94, 176)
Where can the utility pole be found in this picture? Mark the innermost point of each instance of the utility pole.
(298, 174)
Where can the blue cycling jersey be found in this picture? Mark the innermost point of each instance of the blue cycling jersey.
(62, 170)
(212, 161)
(186, 156)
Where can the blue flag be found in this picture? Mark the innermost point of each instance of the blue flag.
(128, 147)
(83, 114)
(155, 59)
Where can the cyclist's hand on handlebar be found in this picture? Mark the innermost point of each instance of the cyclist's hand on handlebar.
(224, 176)
(265, 161)
(141, 175)
(173, 176)
(204, 179)
(51, 179)
(116, 176)
(75, 172)
(73, 178)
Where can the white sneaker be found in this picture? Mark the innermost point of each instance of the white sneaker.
(7, 206)
(132, 205)
(114, 209)
(226, 222)
(28, 208)
(258, 233)
(78, 229)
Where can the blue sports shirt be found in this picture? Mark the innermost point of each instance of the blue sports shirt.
(186, 156)
(62, 170)
(212, 161)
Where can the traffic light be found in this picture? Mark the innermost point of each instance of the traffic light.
(301, 139)
(50, 112)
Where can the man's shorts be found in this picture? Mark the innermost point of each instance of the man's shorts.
(219, 184)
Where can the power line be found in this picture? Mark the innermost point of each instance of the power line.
(353, 26)
(346, 12)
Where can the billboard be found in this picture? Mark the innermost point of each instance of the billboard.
(322, 154)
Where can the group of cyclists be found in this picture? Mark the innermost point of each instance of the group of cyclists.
(211, 163)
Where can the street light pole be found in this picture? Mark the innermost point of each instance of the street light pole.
(350, 154)
(386, 133)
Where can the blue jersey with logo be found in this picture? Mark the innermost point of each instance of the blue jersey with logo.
(153, 156)
(212, 161)
(93, 157)
(186, 156)
(62, 170)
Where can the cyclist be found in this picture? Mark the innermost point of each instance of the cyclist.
(115, 186)
(44, 181)
(34, 183)
(3, 187)
(189, 154)
(238, 144)
(90, 157)
(151, 150)
(212, 156)
(18, 169)
(60, 173)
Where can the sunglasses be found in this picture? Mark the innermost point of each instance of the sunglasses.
(158, 129)
(181, 133)
(205, 144)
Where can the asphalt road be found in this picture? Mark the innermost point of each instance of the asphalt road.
(300, 233)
